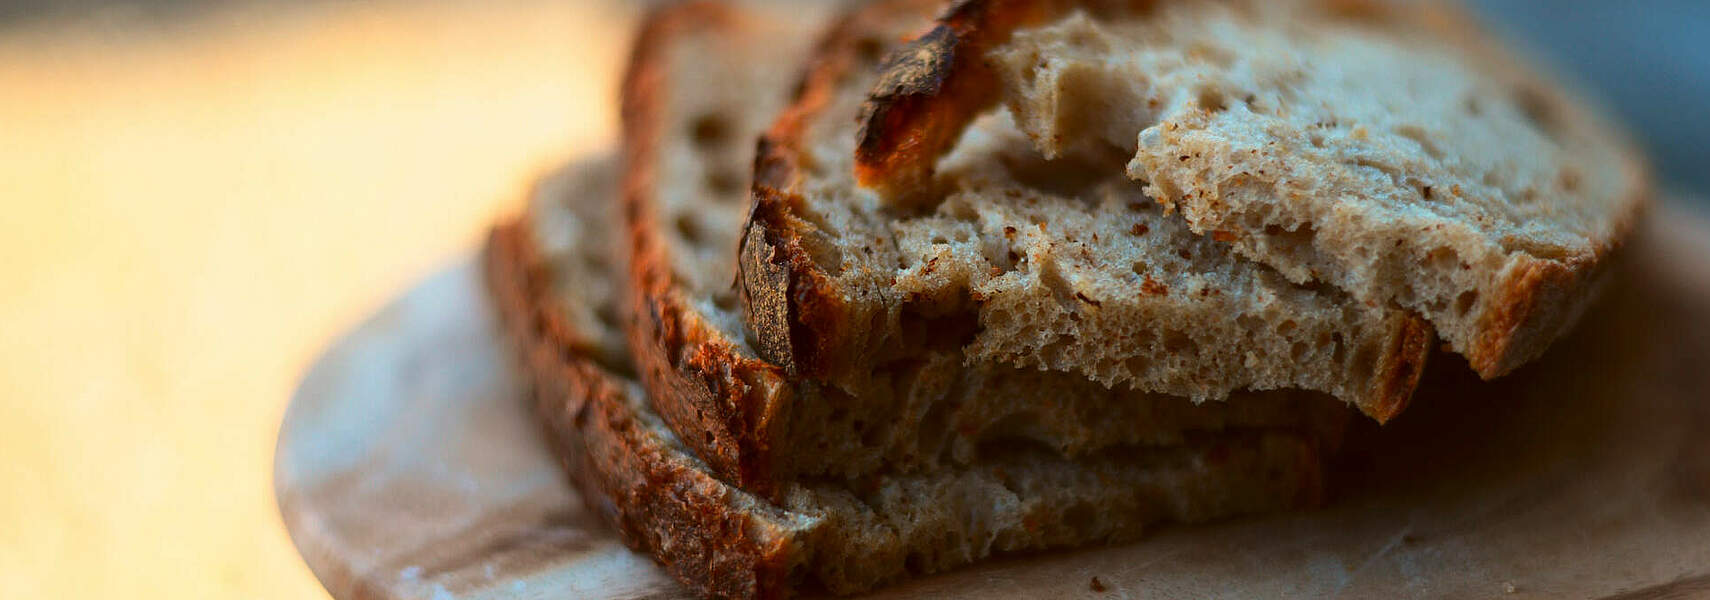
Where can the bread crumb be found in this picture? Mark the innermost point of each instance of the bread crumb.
(1508, 587)
(1096, 585)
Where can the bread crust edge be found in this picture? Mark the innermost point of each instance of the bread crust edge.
(720, 402)
(677, 514)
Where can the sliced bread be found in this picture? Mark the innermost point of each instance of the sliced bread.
(704, 82)
(551, 276)
(1058, 267)
(1391, 150)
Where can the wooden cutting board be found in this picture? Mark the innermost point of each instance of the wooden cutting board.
(407, 467)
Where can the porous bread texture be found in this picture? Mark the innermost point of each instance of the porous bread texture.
(698, 94)
(723, 541)
(586, 294)
(1075, 271)
(1395, 153)
(1061, 266)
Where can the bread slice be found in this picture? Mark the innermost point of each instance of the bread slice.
(705, 80)
(551, 277)
(1060, 267)
(1391, 150)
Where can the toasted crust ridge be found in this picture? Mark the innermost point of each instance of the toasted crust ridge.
(672, 510)
(930, 89)
(808, 337)
(698, 381)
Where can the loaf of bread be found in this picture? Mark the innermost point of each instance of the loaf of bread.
(1391, 151)
(938, 281)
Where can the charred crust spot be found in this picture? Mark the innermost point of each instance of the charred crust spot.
(909, 76)
(918, 68)
(930, 89)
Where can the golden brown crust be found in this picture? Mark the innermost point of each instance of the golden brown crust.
(717, 399)
(1401, 368)
(659, 503)
(1542, 298)
(803, 319)
(931, 89)
(1539, 299)
(725, 404)
(809, 337)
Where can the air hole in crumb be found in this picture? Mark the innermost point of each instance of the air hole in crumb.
(1211, 99)
(1293, 241)
(725, 301)
(710, 131)
(608, 316)
(689, 229)
(1297, 351)
(1537, 108)
(1286, 327)
(1176, 342)
(1135, 365)
(725, 184)
(1249, 322)
(869, 49)
(1465, 302)
(1073, 175)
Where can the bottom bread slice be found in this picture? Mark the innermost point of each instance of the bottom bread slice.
(722, 541)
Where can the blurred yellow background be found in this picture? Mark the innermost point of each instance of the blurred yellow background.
(194, 209)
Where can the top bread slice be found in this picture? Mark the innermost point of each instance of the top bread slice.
(1052, 266)
(1390, 150)
(553, 278)
(704, 82)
